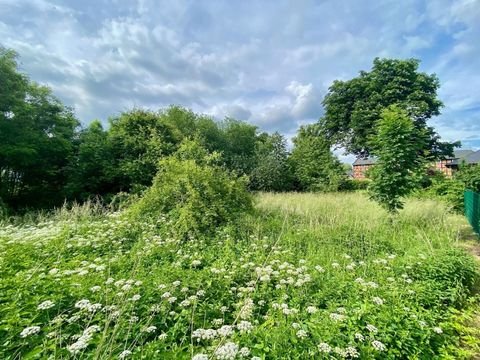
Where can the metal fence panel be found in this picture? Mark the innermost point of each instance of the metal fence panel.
(472, 209)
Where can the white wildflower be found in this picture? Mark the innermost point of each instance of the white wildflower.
(124, 354)
(227, 352)
(200, 357)
(244, 351)
(377, 300)
(31, 330)
(351, 352)
(150, 329)
(244, 326)
(337, 317)
(379, 346)
(438, 330)
(324, 348)
(301, 334)
(359, 337)
(372, 328)
(225, 331)
(47, 304)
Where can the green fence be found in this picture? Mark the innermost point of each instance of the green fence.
(472, 209)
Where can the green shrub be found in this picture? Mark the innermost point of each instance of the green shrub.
(354, 184)
(449, 277)
(195, 195)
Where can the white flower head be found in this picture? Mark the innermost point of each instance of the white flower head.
(31, 330)
(47, 304)
(379, 346)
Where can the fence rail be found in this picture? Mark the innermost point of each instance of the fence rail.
(472, 209)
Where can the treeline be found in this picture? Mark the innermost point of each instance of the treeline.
(47, 158)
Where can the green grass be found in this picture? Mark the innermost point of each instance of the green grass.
(305, 274)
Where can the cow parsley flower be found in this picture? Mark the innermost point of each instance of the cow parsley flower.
(379, 346)
(324, 348)
(46, 305)
(244, 326)
(31, 330)
(301, 334)
(124, 354)
(377, 300)
(351, 352)
(227, 352)
(359, 337)
(244, 351)
(372, 328)
(438, 330)
(200, 357)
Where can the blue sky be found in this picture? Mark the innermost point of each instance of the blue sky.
(266, 62)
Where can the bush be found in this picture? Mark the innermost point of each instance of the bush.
(449, 277)
(354, 184)
(195, 195)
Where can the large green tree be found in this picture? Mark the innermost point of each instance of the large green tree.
(396, 144)
(239, 144)
(353, 107)
(36, 139)
(315, 167)
(138, 140)
(272, 170)
(91, 171)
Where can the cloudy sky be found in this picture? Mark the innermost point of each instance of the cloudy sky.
(267, 62)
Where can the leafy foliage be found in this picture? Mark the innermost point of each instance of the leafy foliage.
(36, 139)
(353, 107)
(272, 171)
(303, 271)
(195, 195)
(315, 167)
(396, 145)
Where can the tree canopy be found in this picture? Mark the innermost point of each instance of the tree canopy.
(396, 144)
(36, 138)
(315, 167)
(353, 107)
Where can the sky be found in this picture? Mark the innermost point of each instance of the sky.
(266, 62)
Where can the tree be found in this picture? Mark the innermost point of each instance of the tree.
(36, 139)
(240, 141)
(138, 140)
(90, 172)
(272, 171)
(315, 167)
(353, 107)
(396, 144)
(197, 196)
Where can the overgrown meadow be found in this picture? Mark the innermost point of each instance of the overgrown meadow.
(304, 276)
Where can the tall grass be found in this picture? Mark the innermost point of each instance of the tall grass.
(304, 274)
(351, 222)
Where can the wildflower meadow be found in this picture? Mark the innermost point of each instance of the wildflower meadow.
(303, 276)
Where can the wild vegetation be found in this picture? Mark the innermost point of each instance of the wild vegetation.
(322, 276)
(168, 244)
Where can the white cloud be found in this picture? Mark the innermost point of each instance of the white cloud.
(268, 62)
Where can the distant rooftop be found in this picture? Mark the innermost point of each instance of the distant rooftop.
(460, 154)
(367, 161)
(472, 158)
(467, 155)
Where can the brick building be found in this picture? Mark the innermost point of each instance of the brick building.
(446, 166)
